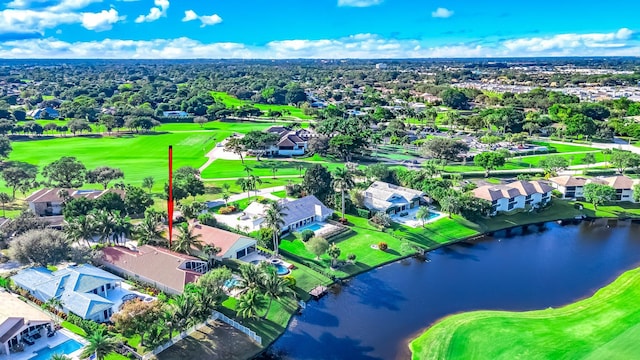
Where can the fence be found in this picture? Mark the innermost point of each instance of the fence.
(215, 316)
(250, 333)
(174, 340)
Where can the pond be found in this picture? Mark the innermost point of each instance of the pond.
(376, 314)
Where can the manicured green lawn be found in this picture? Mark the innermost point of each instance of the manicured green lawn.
(562, 148)
(267, 182)
(222, 168)
(573, 159)
(271, 327)
(621, 209)
(604, 326)
(281, 194)
(115, 356)
(137, 156)
(231, 101)
(73, 328)
(558, 209)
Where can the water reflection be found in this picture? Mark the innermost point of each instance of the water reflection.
(374, 314)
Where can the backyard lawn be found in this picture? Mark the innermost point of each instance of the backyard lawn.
(604, 326)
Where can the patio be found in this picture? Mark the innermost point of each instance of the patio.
(124, 293)
(43, 342)
(411, 220)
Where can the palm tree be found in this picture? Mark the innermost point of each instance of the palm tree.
(4, 199)
(148, 183)
(170, 318)
(187, 240)
(245, 185)
(275, 287)
(606, 152)
(225, 197)
(343, 180)
(423, 214)
(205, 303)
(248, 169)
(449, 204)
(274, 168)
(300, 167)
(184, 308)
(250, 276)
(148, 231)
(211, 252)
(80, 228)
(104, 225)
(253, 183)
(121, 228)
(100, 345)
(250, 303)
(274, 218)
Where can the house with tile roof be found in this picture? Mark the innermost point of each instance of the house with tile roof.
(83, 290)
(515, 195)
(161, 268)
(391, 199)
(19, 320)
(48, 202)
(572, 187)
(231, 245)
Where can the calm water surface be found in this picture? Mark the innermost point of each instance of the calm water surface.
(377, 313)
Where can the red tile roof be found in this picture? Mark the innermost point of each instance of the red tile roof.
(216, 237)
(154, 263)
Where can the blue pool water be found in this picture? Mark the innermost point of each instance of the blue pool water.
(281, 270)
(65, 348)
(432, 215)
(312, 227)
(230, 283)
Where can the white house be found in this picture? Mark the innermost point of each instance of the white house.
(516, 195)
(290, 142)
(571, 187)
(299, 213)
(392, 199)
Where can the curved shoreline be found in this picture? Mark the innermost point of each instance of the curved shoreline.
(453, 242)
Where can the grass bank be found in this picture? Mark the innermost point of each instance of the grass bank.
(604, 326)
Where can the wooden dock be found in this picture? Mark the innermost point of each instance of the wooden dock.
(318, 291)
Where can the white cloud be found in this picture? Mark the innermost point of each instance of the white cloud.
(24, 21)
(60, 6)
(189, 15)
(359, 3)
(205, 20)
(36, 16)
(442, 13)
(369, 46)
(568, 43)
(160, 10)
(101, 21)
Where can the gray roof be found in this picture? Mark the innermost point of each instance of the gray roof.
(304, 208)
(72, 285)
(381, 196)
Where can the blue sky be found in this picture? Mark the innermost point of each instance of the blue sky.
(316, 29)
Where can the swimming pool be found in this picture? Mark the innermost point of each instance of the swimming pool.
(313, 227)
(230, 283)
(65, 348)
(281, 270)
